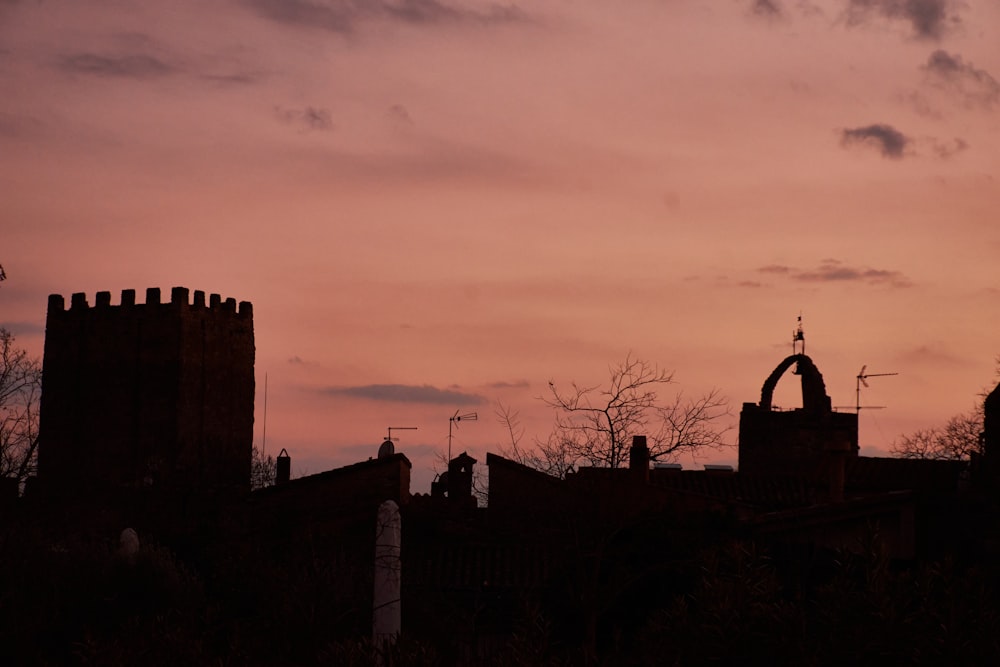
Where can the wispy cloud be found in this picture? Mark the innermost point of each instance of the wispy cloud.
(919, 103)
(236, 78)
(343, 16)
(936, 353)
(768, 9)
(929, 19)
(888, 140)
(307, 119)
(22, 328)
(775, 268)
(296, 360)
(519, 384)
(401, 393)
(947, 149)
(18, 126)
(975, 87)
(832, 270)
(398, 114)
(130, 66)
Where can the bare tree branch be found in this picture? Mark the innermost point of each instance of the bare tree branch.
(594, 425)
(958, 439)
(263, 470)
(20, 395)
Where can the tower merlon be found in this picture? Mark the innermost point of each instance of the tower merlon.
(180, 297)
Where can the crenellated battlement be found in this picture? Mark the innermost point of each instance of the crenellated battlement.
(179, 298)
(157, 393)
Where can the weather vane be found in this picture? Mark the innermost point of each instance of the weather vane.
(799, 336)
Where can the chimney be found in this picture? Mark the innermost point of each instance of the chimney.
(638, 458)
(282, 468)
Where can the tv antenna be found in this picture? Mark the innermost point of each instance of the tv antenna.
(862, 377)
(263, 440)
(398, 428)
(387, 449)
(3, 276)
(454, 419)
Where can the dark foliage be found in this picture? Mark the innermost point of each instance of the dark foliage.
(648, 592)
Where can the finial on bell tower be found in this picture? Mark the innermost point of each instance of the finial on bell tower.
(799, 338)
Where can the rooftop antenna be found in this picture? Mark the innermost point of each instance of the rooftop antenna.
(798, 336)
(862, 376)
(387, 449)
(454, 419)
(263, 438)
(3, 276)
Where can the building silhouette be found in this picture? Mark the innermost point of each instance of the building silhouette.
(147, 395)
(155, 401)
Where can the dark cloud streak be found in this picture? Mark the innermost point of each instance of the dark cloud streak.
(401, 393)
(775, 268)
(930, 19)
(520, 384)
(134, 66)
(977, 87)
(309, 118)
(336, 17)
(833, 271)
(891, 142)
(768, 9)
(343, 16)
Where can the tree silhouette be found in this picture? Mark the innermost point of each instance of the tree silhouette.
(594, 425)
(262, 470)
(958, 439)
(20, 392)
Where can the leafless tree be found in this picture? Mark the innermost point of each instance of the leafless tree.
(262, 470)
(20, 394)
(594, 425)
(548, 456)
(958, 439)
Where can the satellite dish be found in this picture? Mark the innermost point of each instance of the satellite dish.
(386, 450)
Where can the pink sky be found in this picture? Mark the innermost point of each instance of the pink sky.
(479, 198)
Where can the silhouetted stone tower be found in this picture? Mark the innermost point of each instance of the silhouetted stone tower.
(988, 460)
(810, 442)
(154, 395)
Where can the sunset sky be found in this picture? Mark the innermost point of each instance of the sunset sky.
(437, 204)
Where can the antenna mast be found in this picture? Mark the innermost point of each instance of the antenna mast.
(398, 428)
(387, 449)
(454, 419)
(263, 439)
(862, 376)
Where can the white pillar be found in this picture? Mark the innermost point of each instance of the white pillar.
(128, 544)
(387, 608)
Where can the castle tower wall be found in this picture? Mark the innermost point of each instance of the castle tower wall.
(811, 442)
(147, 394)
